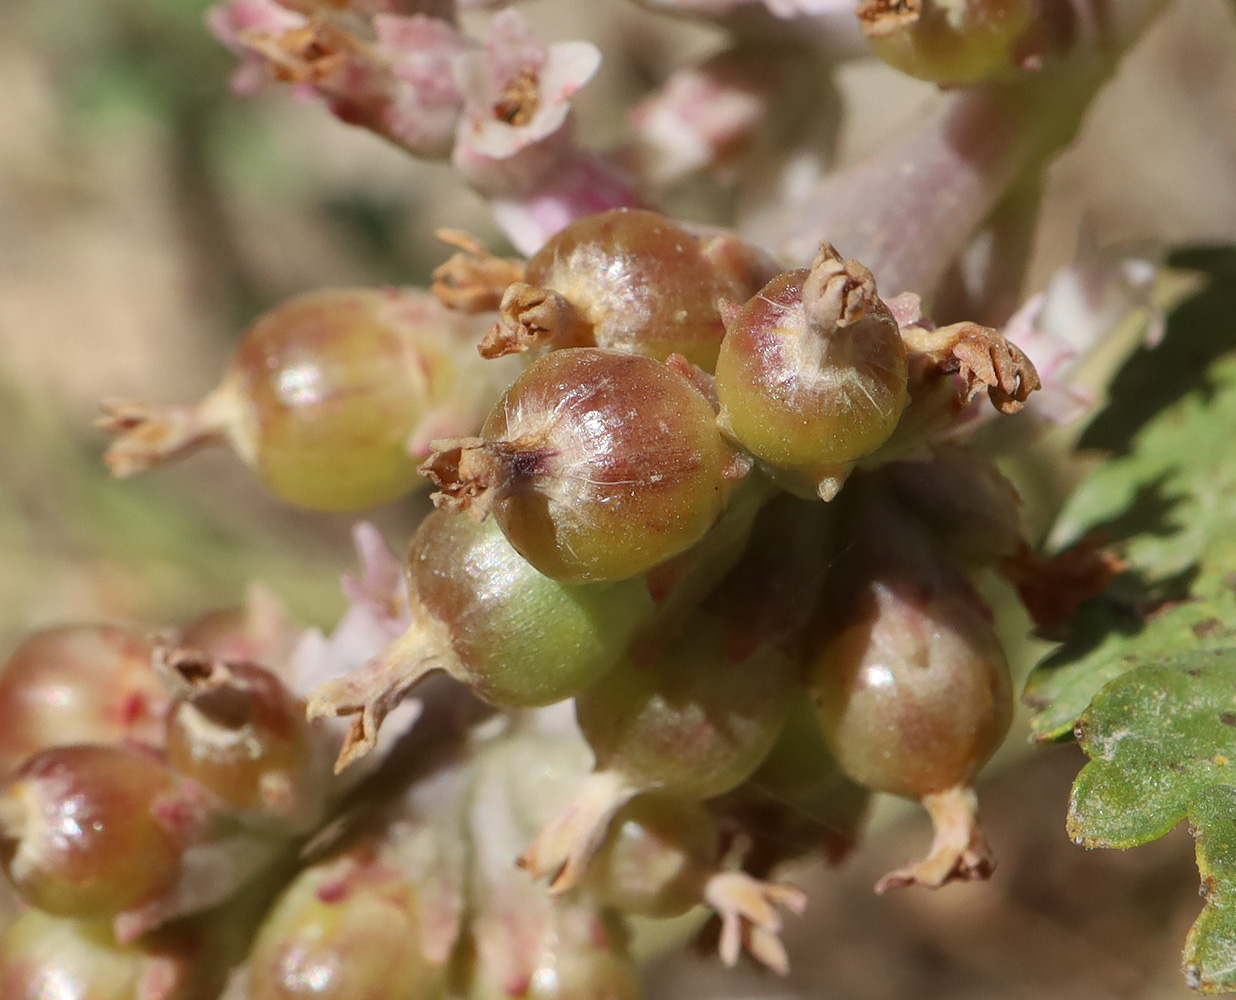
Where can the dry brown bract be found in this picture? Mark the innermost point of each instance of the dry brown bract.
(473, 280)
(883, 17)
(982, 357)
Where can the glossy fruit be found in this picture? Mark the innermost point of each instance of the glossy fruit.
(53, 958)
(598, 465)
(628, 280)
(695, 721)
(691, 723)
(346, 929)
(483, 614)
(521, 639)
(332, 397)
(81, 830)
(812, 373)
(913, 693)
(79, 684)
(692, 714)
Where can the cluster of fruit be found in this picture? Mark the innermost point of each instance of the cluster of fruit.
(721, 507)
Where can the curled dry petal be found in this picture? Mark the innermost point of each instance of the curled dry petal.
(399, 85)
(958, 848)
(473, 280)
(982, 357)
(532, 317)
(748, 911)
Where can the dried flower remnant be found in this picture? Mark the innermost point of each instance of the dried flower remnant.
(982, 358)
(399, 84)
(473, 280)
(952, 42)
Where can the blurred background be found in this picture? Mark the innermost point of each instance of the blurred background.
(146, 216)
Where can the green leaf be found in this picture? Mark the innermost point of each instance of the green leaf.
(1170, 503)
(1162, 743)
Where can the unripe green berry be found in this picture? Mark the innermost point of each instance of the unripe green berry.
(812, 373)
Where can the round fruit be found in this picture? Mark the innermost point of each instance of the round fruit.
(628, 280)
(598, 465)
(332, 397)
(80, 830)
(813, 372)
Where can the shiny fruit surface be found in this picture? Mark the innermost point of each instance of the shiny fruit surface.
(805, 394)
(81, 832)
(913, 693)
(641, 283)
(344, 930)
(78, 684)
(333, 387)
(615, 464)
(521, 638)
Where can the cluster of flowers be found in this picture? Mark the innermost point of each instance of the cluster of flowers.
(728, 518)
(725, 511)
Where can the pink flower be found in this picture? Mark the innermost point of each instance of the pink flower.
(400, 86)
(516, 139)
(517, 111)
(231, 22)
